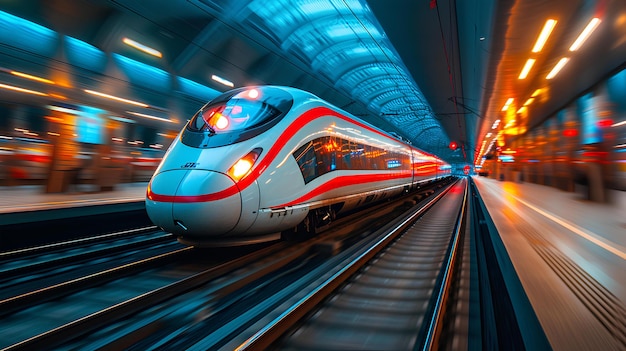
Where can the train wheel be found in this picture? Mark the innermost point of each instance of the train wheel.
(303, 231)
(315, 222)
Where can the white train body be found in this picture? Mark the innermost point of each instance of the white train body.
(258, 161)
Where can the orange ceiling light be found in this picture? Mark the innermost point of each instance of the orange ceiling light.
(116, 98)
(58, 96)
(529, 64)
(31, 77)
(544, 35)
(21, 90)
(591, 26)
(557, 68)
(150, 116)
(507, 104)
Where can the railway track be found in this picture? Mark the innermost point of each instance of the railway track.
(35, 275)
(388, 295)
(177, 301)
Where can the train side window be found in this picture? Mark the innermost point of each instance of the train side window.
(354, 160)
(367, 158)
(380, 158)
(336, 159)
(305, 156)
(345, 154)
(360, 151)
(326, 154)
(406, 165)
(319, 157)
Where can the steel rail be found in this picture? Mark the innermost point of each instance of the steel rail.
(124, 309)
(13, 304)
(62, 245)
(436, 323)
(54, 262)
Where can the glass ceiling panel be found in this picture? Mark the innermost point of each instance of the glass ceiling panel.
(375, 87)
(342, 41)
(382, 98)
(283, 16)
(314, 37)
(341, 58)
(358, 75)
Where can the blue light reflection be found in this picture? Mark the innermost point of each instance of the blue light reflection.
(27, 35)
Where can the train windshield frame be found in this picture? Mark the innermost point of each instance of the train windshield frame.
(236, 116)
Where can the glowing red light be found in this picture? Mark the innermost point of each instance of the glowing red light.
(453, 145)
(570, 132)
(605, 123)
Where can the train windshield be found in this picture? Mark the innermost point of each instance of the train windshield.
(236, 115)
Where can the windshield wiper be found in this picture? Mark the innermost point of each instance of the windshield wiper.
(200, 115)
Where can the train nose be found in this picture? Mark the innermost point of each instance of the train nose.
(196, 203)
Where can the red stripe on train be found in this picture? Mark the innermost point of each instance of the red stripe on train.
(273, 152)
(343, 181)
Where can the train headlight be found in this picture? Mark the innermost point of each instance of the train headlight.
(218, 121)
(243, 166)
(222, 122)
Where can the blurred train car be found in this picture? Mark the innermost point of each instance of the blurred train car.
(24, 160)
(28, 161)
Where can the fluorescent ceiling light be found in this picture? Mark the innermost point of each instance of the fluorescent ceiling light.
(116, 98)
(150, 116)
(543, 36)
(585, 34)
(562, 62)
(222, 81)
(22, 90)
(31, 77)
(507, 104)
(139, 46)
(529, 64)
(529, 101)
(536, 92)
(121, 119)
(63, 109)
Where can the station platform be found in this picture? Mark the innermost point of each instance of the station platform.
(31, 217)
(570, 256)
(16, 199)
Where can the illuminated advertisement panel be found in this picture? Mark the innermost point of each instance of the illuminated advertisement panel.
(588, 119)
(90, 125)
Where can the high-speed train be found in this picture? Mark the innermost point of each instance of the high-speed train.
(258, 161)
